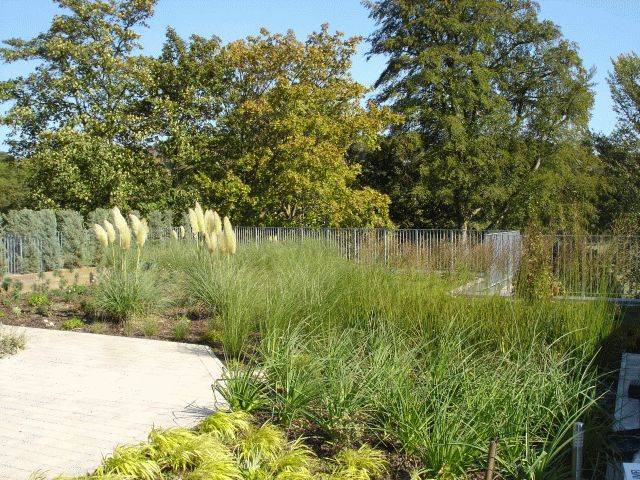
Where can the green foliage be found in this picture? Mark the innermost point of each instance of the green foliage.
(230, 446)
(242, 389)
(72, 323)
(180, 331)
(42, 249)
(226, 425)
(13, 189)
(160, 220)
(131, 462)
(40, 302)
(99, 215)
(620, 151)
(495, 104)
(534, 279)
(358, 351)
(75, 241)
(149, 326)
(120, 295)
(165, 131)
(625, 90)
(365, 463)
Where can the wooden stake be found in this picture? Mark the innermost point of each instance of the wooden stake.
(491, 459)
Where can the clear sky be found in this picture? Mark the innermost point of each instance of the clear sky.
(602, 29)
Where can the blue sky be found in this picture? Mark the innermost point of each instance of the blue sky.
(601, 28)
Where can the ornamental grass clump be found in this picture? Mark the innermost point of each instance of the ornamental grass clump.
(124, 289)
(233, 448)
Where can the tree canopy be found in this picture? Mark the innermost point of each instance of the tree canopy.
(259, 127)
(479, 120)
(496, 104)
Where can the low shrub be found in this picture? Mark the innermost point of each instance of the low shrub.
(10, 343)
(97, 327)
(72, 323)
(40, 302)
(149, 326)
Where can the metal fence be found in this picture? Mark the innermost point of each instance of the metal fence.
(582, 265)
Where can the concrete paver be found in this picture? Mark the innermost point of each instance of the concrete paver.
(69, 398)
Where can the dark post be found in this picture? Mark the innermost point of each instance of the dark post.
(491, 459)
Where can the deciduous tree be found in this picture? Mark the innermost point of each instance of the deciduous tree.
(496, 104)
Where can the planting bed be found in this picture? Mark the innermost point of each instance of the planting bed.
(347, 354)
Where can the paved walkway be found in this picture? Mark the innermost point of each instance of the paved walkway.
(69, 398)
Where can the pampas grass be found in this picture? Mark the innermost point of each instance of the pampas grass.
(174, 235)
(124, 232)
(199, 213)
(141, 232)
(193, 222)
(182, 231)
(101, 235)
(229, 237)
(211, 241)
(111, 232)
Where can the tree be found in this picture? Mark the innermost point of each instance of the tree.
(261, 128)
(74, 119)
(624, 83)
(496, 105)
(13, 190)
(620, 151)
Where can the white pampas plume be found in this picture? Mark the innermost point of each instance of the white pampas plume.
(123, 228)
(135, 223)
(229, 236)
(217, 223)
(193, 221)
(111, 232)
(142, 232)
(182, 231)
(211, 240)
(200, 217)
(125, 237)
(222, 243)
(101, 235)
(174, 235)
(209, 222)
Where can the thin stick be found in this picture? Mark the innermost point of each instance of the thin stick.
(491, 459)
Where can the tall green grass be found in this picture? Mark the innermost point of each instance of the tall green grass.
(360, 353)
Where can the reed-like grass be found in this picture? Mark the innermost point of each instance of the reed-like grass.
(362, 353)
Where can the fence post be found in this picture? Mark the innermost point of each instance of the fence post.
(355, 243)
(386, 246)
(576, 457)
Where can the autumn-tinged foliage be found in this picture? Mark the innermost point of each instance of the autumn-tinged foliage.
(260, 127)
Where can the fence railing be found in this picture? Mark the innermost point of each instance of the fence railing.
(582, 265)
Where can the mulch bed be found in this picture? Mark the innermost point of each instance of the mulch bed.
(63, 309)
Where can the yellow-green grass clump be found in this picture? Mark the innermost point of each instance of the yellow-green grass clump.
(229, 445)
